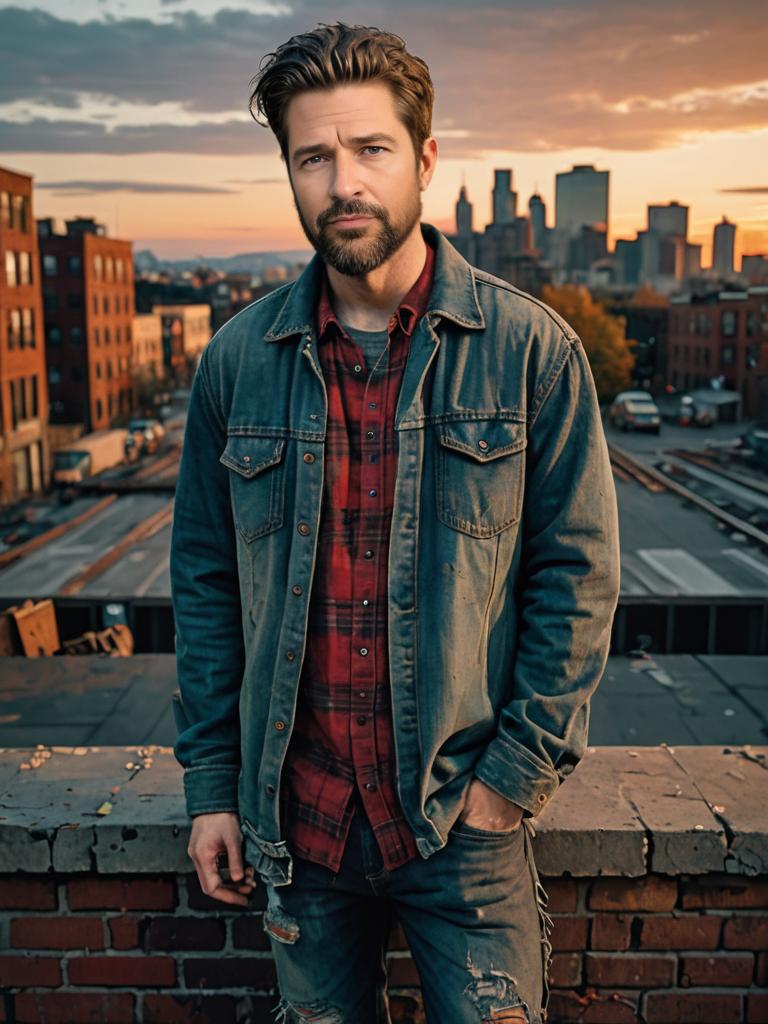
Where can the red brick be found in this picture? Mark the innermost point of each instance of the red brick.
(630, 970)
(124, 932)
(67, 1007)
(57, 933)
(611, 931)
(192, 1009)
(401, 971)
(593, 1007)
(204, 933)
(652, 892)
(690, 1006)
(27, 893)
(725, 892)
(569, 933)
(565, 970)
(688, 932)
(746, 933)
(761, 971)
(563, 895)
(248, 933)
(230, 972)
(121, 894)
(718, 969)
(757, 1008)
(122, 970)
(22, 971)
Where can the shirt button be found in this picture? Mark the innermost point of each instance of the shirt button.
(309, 457)
(370, 434)
(482, 444)
(542, 798)
(362, 693)
(371, 405)
(361, 719)
(290, 655)
(296, 589)
(372, 492)
(279, 726)
(370, 786)
(366, 602)
(369, 554)
(358, 367)
(246, 458)
(303, 528)
(363, 651)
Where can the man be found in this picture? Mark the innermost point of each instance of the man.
(394, 567)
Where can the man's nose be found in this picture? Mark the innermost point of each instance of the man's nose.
(346, 178)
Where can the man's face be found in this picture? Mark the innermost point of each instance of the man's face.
(349, 154)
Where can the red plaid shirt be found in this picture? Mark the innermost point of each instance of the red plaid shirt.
(343, 740)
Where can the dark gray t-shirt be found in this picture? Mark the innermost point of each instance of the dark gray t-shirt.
(371, 342)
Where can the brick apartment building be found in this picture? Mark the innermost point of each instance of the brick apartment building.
(186, 332)
(24, 456)
(88, 304)
(722, 334)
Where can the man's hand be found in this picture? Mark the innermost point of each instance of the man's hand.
(485, 808)
(213, 835)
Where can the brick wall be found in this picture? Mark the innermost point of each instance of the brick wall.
(657, 890)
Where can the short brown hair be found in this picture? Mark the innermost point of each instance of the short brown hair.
(338, 54)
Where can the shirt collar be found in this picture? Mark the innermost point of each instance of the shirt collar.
(411, 308)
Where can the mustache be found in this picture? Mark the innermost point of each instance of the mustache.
(350, 209)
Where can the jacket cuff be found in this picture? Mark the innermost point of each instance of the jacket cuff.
(514, 773)
(211, 789)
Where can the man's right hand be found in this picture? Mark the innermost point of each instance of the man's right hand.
(213, 835)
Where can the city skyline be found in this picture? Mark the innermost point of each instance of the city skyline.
(690, 125)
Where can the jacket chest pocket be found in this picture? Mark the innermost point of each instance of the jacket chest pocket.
(257, 483)
(480, 472)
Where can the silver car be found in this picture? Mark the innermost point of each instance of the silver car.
(635, 410)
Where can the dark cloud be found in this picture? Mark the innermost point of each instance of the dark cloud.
(530, 76)
(758, 190)
(143, 187)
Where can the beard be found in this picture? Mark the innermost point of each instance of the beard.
(358, 251)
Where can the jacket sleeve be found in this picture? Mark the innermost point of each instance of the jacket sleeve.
(206, 605)
(568, 592)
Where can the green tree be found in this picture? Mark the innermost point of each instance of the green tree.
(602, 335)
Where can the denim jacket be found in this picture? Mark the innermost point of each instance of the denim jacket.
(503, 563)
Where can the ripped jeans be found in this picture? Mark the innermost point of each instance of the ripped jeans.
(473, 915)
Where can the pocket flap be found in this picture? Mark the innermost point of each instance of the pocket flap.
(250, 455)
(483, 439)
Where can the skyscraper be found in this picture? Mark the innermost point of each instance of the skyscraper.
(723, 239)
(463, 214)
(581, 199)
(538, 214)
(669, 221)
(504, 201)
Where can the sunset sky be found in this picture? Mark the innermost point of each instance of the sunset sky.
(136, 112)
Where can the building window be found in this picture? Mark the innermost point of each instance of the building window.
(118, 336)
(119, 267)
(98, 267)
(95, 303)
(18, 401)
(704, 324)
(50, 300)
(14, 328)
(27, 328)
(727, 355)
(5, 210)
(25, 268)
(96, 338)
(105, 304)
(54, 335)
(751, 323)
(50, 265)
(74, 266)
(11, 277)
(728, 323)
(706, 358)
(107, 338)
(108, 268)
(20, 218)
(98, 370)
(75, 335)
(33, 394)
(54, 375)
(750, 357)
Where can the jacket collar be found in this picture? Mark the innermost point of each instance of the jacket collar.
(453, 295)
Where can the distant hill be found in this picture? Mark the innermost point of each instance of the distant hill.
(247, 262)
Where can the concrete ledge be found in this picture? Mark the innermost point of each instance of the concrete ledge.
(623, 812)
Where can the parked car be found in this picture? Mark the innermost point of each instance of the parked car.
(635, 410)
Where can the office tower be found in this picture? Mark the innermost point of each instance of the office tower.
(463, 214)
(538, 216)
(24, 457)
(668, 221)
(504, 200)
(581, 199)
(88, 306)
(723, 239)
